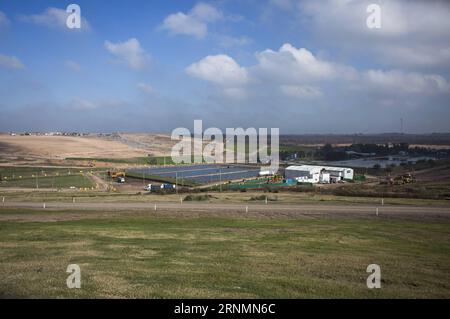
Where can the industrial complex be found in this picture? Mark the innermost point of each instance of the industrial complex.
(204, 174)
(318, 174)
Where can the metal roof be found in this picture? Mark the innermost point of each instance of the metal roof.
(316, 167)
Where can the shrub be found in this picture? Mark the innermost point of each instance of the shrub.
(190, 198)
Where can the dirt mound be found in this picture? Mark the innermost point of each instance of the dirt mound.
(61, 147)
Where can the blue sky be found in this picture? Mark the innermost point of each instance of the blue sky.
(303, 66)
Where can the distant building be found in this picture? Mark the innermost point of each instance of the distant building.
(318, 174)
(267, 171)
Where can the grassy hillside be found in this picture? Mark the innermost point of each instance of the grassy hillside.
(137, 255)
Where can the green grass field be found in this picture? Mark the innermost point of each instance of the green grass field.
(14, 172)
(216, 197)
(140, 255)
(78, 181)
(44, 177)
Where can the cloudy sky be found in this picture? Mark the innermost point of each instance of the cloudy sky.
(302, 66)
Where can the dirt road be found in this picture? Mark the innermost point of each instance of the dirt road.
(214, 209)
(98, 181)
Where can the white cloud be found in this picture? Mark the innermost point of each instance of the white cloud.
(180, 23)
(130, 52)
(412, 33)
(401, 82)
(206, 12)
(416, 56)
(235, 93)
(289, 67)
(146, 88)
(220, 69)
(54, 17)
(4, 21)
(194, 23)
(298, 73)
(301, 91)
(229, 41)
(290, 64)
(81, 104)
(74, 66)
(10, 62)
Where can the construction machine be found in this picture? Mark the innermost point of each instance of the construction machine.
(115, 175)
(403, 179)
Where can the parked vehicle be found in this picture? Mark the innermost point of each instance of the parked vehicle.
(151, 188)
(168, 186)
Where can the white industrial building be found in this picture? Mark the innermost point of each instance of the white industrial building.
(318, 174)
(268, 171)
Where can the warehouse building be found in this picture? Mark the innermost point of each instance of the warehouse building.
(318, 174)
(268, 171)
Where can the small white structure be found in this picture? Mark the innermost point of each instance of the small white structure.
(303, 173)
(318, 174)
(267, 171)
(325, 178)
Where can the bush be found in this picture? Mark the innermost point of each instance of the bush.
(263, 198)
(200, 198)
(260, 197)
(359, 178)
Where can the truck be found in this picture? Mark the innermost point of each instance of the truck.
(168, 186)
(120, 180)
(156, 188)
(152, 188)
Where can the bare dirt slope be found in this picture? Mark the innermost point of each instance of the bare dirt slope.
(153, 144)
(61, 147)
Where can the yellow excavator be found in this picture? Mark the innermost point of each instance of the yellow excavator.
(114, 174)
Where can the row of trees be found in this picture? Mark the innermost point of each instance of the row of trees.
(330, 153)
